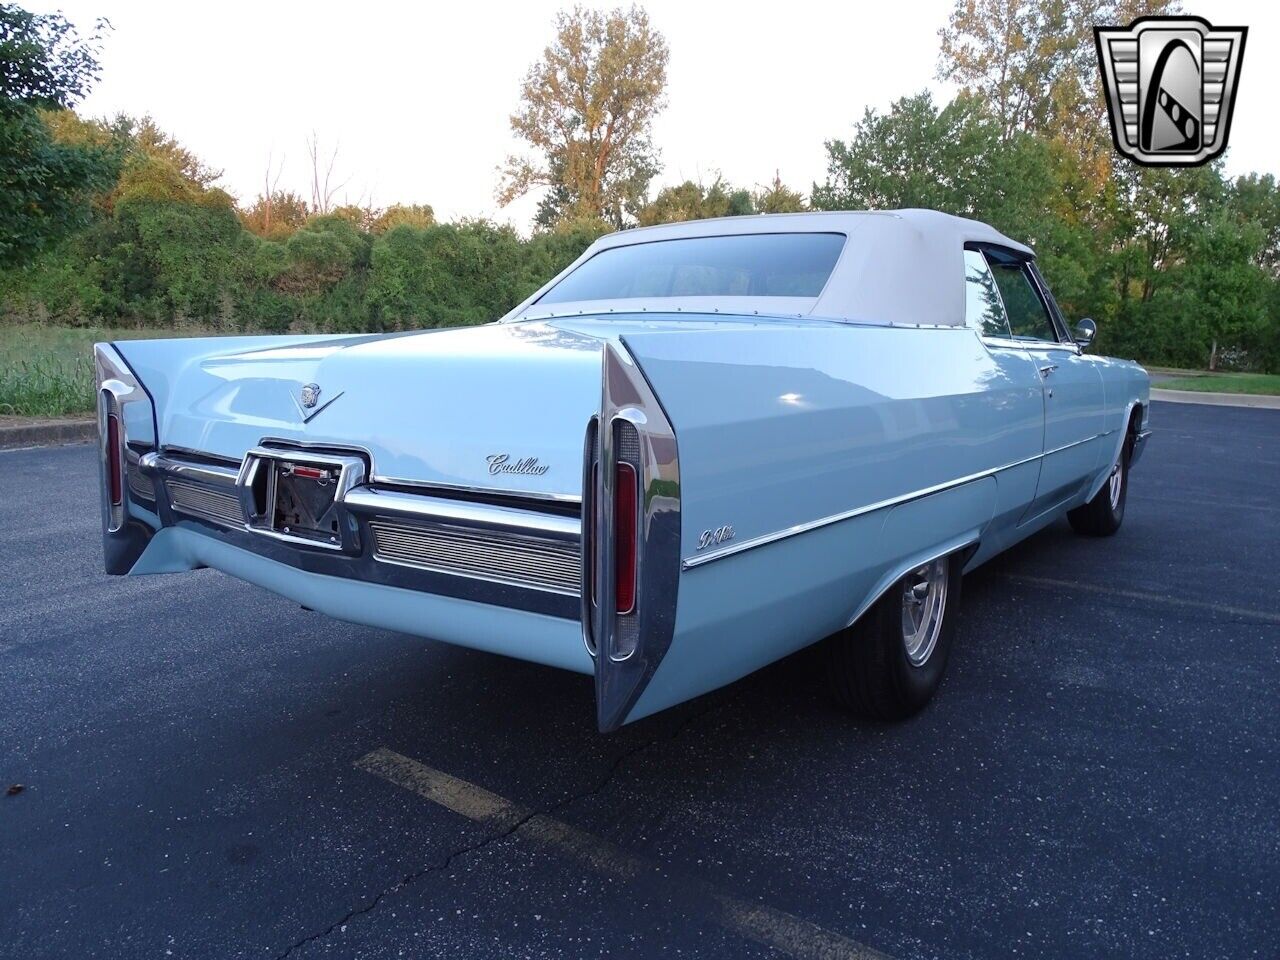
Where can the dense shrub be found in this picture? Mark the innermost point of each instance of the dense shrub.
(157, 262)
(458, 274)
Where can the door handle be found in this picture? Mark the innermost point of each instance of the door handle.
(1047, 369)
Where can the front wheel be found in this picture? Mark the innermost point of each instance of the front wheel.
(1102, 516)
(888, 665)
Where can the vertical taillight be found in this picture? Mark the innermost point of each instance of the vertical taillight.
(612, 602)
(114, 479)
(625, 520)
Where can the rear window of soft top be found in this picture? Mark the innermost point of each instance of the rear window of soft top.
(737, 265)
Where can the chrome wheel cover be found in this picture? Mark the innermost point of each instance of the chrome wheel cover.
(1116, 484)
(924, 602)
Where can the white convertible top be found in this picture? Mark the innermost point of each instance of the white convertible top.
(897, 267)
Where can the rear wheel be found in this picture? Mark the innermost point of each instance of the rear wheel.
(1102, 516)
(888, 665)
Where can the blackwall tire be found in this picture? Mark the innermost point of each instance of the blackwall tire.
(883, 669)
(1102, 516)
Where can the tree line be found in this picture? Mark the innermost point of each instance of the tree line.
(116, 222)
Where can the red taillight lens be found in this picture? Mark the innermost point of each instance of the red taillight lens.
(113, 460)
(625, 512)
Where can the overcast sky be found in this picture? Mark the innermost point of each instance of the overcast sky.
(418, 95)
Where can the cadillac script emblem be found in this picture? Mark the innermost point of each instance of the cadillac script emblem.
(310, 395)
(500, 463)
(1171, 86)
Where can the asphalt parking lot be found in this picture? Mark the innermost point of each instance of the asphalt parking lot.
(210, 771)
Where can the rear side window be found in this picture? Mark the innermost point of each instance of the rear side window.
(1028, 318)
(984, 310)
(746, 265)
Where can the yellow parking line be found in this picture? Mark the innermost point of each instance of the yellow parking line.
(774, 928)
(1264, 615)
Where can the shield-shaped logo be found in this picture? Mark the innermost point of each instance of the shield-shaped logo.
(307, 400)
(1171, 86)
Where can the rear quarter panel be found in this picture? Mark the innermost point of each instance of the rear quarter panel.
(782, 426)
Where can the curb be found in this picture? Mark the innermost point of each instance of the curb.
(1257, 401)
(43, 433)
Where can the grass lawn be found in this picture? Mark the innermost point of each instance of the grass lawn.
(1268, 383)
(48, 371)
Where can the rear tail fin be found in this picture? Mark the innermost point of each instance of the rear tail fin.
(631, 537)
(126, 434)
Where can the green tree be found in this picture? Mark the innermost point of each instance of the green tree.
(1033, 61)
(46, 187)
(549, 251)
(957, 159)
(777, 197)
(275, 217)
(692, 201)
(404, 214)
(446, 275)
(1256, 198)
(1212, 304)
(327, 250)
(586, 111)
(954, 159)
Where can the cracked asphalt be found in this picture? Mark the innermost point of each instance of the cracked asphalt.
(1099, 775)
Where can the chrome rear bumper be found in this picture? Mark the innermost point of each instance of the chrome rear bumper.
(495, 553)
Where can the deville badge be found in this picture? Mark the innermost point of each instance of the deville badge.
(1171, 85)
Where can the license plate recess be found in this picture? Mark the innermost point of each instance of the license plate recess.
(297, 495)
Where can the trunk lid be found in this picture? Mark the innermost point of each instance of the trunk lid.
(502, 407)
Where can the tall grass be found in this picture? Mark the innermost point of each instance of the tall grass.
(47, 386)
(48, 371)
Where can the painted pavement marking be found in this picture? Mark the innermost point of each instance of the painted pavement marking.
(1265, 616)
(774, 928)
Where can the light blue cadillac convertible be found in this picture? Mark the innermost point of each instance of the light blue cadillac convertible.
(698, 449)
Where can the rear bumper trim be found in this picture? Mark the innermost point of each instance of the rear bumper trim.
(503, 556)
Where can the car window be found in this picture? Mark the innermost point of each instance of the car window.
(1028, 318)
(984, 311)
(1054, 309)
(743, 265)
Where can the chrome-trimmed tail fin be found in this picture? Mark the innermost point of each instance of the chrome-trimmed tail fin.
(126, 434)
(633, 430)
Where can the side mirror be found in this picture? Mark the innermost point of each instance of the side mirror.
(1086, 330)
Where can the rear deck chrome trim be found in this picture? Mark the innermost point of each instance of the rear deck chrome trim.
(373, 500)
(476, 489)
(193, 470)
